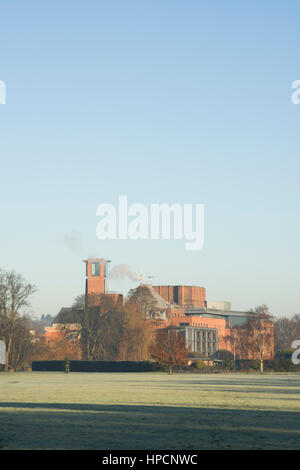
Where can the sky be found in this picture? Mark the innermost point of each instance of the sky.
(163, 101)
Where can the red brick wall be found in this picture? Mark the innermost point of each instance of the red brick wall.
(94, 284)
(201, 322)
(187, 295)
(269, 352)
(176, 316)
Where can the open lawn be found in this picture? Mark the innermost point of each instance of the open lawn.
(41, 410)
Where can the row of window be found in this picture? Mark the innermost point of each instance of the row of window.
(203, 347)
(210, 335)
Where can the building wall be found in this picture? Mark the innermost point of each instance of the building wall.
(202, 322)
(95, 280)
(175, 314)
(183, 295)
(269, 351)
(177, 318)
(200, 340)
(218, 305)
(58, 330)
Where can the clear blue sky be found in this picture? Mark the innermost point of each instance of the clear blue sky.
(162, 101)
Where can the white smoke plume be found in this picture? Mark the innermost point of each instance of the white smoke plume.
(121, 271)
(73, 241)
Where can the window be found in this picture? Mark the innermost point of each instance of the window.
(106, 270)
(95, 269)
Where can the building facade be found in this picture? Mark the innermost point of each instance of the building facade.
(207, 326)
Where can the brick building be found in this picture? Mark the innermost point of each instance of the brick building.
(206, 325)
(183, 296)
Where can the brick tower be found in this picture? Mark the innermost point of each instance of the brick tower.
(96, 276)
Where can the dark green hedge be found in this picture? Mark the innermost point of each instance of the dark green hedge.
(96, 366)
(276, 365)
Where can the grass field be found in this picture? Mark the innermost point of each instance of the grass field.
(41, 410)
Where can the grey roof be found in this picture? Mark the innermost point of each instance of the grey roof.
(161, 302)
(202, 311)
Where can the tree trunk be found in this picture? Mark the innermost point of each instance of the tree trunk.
(261, 366)
(262, 359)
(8, 352)
(6, 360)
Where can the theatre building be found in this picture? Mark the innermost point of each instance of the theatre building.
(205, 325)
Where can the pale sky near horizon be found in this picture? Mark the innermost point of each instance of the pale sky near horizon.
(165, 102)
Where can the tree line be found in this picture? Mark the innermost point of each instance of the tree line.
(120, 331)
(108, 330)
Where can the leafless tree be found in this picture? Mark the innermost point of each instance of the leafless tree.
(116, 332)
(143, 297)
(79, 301)
(260, 332)
(14, 294)
(137, 333)
(286, 330)
(255, 338)
(238, 341)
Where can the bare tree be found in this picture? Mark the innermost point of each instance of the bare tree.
(113, 331)
(143, 297)
(238, 342)
(286, 330)
(137, 333)
(66, 345)
(79, 301)
(14, 294)
(261, 334)
(254, 339)
(22, 345)
(169, 349)
(92, 300)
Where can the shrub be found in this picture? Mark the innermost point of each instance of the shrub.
(96, 366)
(224, 355)
(284, 354)
(228, 365)
(200, 365)
(284, 365)
(254, 365)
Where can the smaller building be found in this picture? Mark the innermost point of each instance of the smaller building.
(200, 340)
(59, 330)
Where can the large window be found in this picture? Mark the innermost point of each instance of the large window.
(95, 269)
(106, 270)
